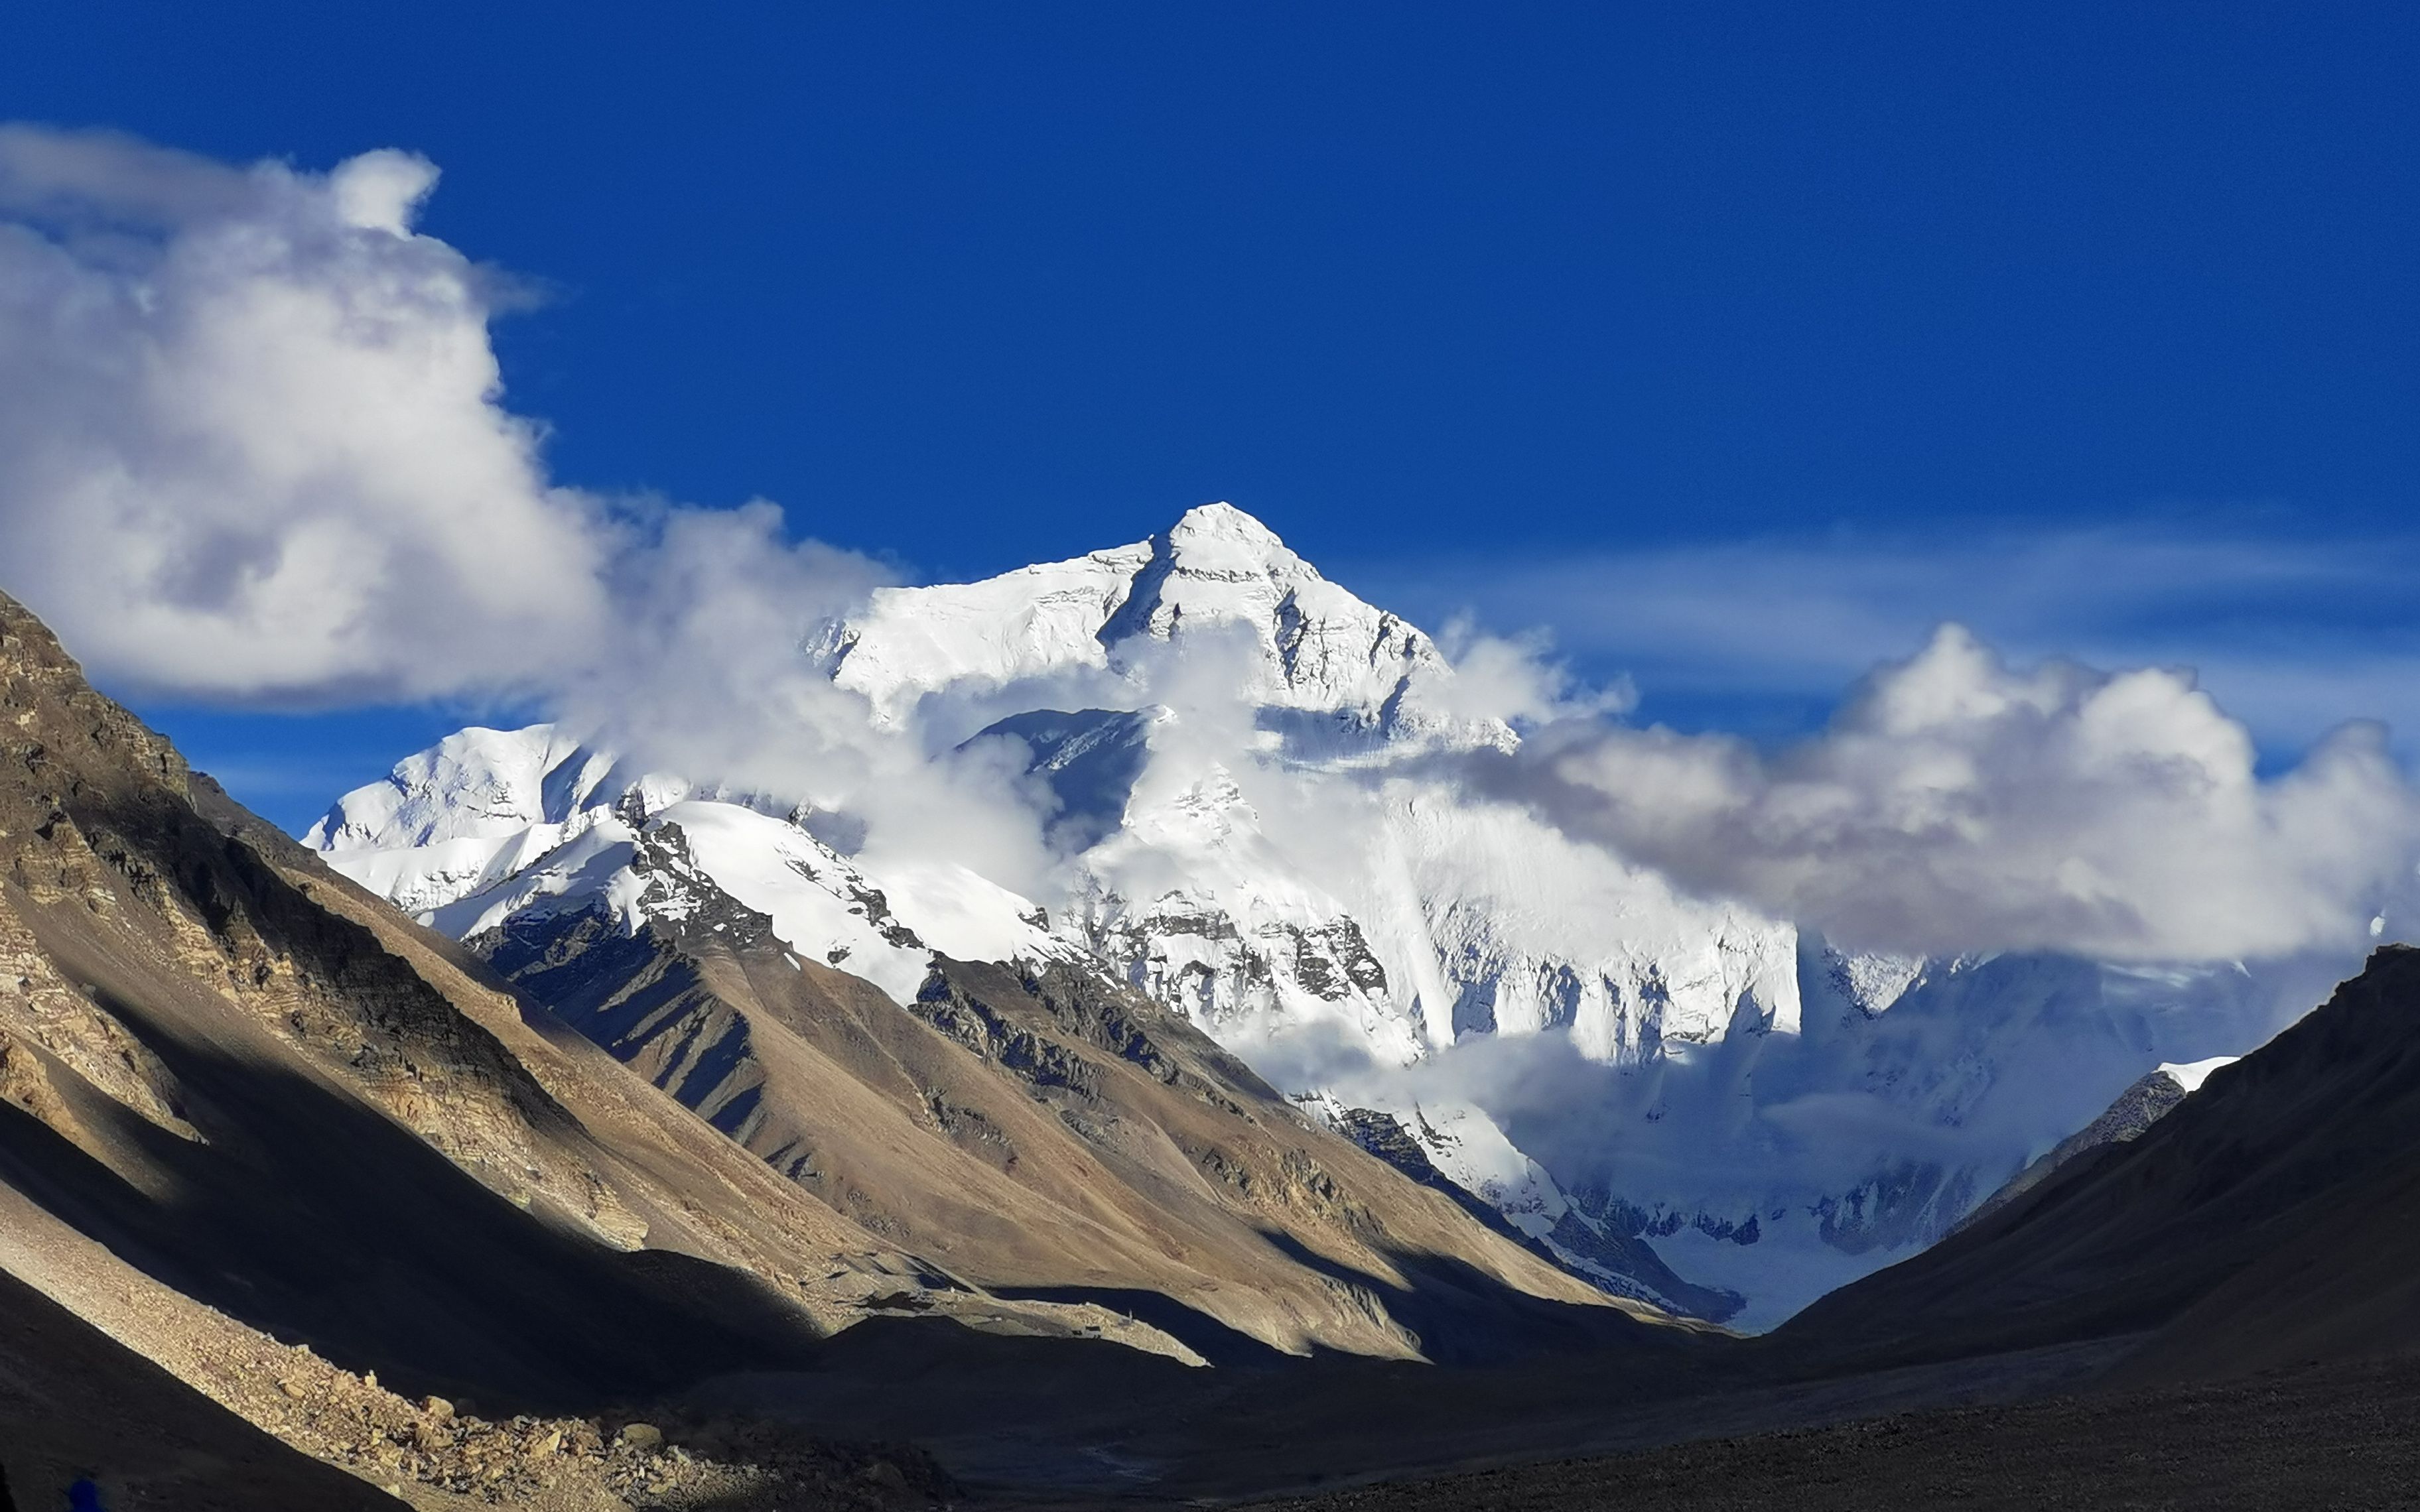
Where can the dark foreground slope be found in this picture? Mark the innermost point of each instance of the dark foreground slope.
(2272, 1219)
(2338, 1436)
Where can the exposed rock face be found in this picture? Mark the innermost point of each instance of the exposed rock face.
(1042, 1130)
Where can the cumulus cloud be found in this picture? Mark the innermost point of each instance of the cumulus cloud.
(252, 447)
(1959, 804)
(705, 669)
(255, 450)
(1517, 679)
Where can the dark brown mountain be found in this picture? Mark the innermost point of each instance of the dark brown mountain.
(2150, 1098)
(2271, 1219)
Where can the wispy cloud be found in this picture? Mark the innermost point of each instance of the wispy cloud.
(2292, 634)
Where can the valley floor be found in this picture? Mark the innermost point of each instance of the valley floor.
(1040, 1425)
(2336, 1436)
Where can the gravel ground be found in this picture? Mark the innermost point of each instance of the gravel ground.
(2335, 1437)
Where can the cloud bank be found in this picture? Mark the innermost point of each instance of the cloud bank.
(252, 448)
(2293, 630)
(1958, 805)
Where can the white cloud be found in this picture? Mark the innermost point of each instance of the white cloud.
(253, 450)
(252, 447)
(1517, 680)
(704, 670)
(2295, 631)
(1958, 805)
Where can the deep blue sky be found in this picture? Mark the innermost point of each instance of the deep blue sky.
(1440, 291)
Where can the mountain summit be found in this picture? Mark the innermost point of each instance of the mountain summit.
(1305, 644)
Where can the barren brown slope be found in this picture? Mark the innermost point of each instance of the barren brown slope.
(282, 1109)
(2272, 1218)
(1045, 1134)
(276, 1107)
(74, 1404)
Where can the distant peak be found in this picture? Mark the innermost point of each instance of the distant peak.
(1224, 522)
(1220, 540)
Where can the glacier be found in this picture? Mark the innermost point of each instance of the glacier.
(1248, 779)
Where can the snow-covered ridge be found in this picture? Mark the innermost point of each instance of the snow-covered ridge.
(2190, 1076)
(490, 824)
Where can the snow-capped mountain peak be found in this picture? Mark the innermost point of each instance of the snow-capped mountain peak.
(1079, 630)
(474, 784)
(490, 824)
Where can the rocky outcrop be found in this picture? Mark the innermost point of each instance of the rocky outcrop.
(2136, 1110)
(1036, 1132)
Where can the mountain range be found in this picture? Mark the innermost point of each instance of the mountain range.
(1258, 799)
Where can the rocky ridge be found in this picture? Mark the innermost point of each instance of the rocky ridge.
(1036, 1131)
(2137, 1108)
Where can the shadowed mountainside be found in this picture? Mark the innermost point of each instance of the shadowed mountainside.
(2272, 1218)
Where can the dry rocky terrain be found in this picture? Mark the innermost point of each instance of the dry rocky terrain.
(2340, 1436)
